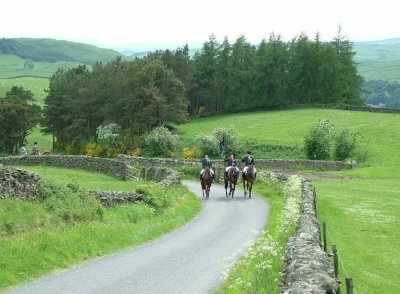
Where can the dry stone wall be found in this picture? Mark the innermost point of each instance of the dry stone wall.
(260, 163)
(18, 183)
(25, 184)
(308, 269)
(95, 164)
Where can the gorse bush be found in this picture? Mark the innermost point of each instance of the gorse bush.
(190, 153)
(160, 140)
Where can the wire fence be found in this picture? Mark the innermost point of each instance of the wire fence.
(350, 289)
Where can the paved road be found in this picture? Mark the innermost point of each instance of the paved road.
(192, 259)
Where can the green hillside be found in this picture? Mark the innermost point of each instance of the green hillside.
(50, 50)
(25, 57)
(379, 60)
(362, 210)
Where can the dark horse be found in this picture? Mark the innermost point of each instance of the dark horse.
(232, 179)
(206, 182)
(248, 180)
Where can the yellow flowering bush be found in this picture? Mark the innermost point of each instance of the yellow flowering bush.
(190, 153)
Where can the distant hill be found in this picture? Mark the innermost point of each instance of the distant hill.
(379, 60)
(26, 57)
(51, 50)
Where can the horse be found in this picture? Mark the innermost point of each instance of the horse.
(232, 178)
(206, 182)
(248, 180)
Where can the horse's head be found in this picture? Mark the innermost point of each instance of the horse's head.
(250, 174)
(233, 174)
(207, 174)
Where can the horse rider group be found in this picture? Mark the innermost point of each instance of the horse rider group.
(230, 162)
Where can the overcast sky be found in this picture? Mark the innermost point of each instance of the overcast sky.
(117, 22)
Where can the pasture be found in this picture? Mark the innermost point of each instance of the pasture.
(12, 67)
(361, 213)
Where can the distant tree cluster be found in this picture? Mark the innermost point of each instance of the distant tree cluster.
(137, 95)
(165, 86)
(382, 93)
(17, 117)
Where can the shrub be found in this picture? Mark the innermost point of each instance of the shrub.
(190, 153)
(152, 197)
(345, 145)
(318, 141)
(160, 141)
(109, 135)
(94, 150)
(210, 143)
(136, 152)
(70, 203)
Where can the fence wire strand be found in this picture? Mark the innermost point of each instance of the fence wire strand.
(339, 258)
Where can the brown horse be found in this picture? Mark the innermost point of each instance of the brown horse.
(232, 179)
(206, 182)
(248, 180)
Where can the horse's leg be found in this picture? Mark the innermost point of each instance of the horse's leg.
(226, 188)
(244, 188)
(250, 188)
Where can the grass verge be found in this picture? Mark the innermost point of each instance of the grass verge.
(37, 240)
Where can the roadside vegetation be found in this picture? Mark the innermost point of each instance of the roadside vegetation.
(67, 226)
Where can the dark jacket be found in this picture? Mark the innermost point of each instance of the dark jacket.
(206, 163)
(248, 160)
(230, 162)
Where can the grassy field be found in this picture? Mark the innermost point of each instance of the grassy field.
(36, 85)
(12, 67)
(362, 213)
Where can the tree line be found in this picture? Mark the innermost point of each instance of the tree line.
(382, 93)
(170, 85)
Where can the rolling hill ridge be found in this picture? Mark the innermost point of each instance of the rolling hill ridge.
(50, 50)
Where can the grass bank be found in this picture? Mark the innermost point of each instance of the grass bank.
(61, 229)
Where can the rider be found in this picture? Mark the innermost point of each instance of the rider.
(248, 160)
(206, 162)
(231, 162)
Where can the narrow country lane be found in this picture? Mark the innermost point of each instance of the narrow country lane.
(192, 259)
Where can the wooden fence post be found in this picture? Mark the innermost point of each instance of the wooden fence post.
(324, 235)
(315, 202)
(335, 261)
(336, 265)
(349, 286)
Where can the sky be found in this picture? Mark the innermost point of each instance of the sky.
(117, 23)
